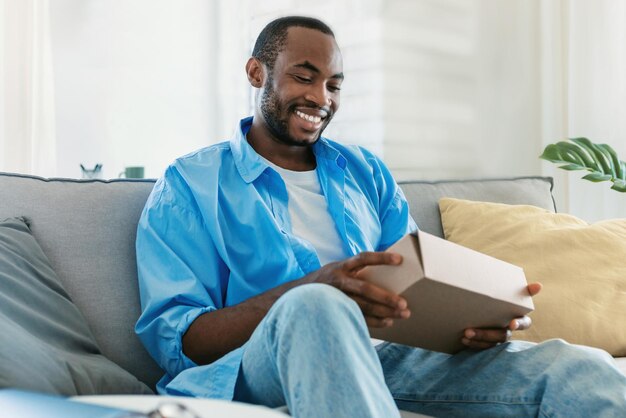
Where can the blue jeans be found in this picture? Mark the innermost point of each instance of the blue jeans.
(312, 352)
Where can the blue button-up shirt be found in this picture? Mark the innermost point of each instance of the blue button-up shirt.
(216, 231)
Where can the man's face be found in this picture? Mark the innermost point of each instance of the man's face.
(301, 94)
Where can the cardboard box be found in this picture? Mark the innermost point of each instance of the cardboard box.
(449, 288)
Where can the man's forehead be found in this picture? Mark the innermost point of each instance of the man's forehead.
(312, 46)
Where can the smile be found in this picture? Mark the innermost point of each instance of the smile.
(310, 118)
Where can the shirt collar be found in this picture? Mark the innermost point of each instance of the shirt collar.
(324, 149)
(250, 165)
(247, 161)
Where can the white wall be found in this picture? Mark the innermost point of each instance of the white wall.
(432, 115)
(426, 84)
(597, 97)
(438, 88)
(509, 90)
(433, 86)
(135, 82)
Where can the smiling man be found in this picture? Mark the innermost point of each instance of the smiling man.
(249, 251)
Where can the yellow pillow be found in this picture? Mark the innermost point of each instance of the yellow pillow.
(582, 266)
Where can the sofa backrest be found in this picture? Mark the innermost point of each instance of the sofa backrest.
(87, 229)
(423, 196)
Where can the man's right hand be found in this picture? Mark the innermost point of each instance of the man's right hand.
(379, 306)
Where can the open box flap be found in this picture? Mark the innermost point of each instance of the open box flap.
(458, 266)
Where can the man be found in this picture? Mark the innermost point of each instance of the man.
(249, 252)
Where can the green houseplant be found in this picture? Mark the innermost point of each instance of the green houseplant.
(581, 154)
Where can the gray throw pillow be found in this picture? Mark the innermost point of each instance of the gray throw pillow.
(46, 345)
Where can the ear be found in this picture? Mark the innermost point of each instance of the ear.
(256, 72)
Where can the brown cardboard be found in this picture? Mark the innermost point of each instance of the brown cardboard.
(448, 288)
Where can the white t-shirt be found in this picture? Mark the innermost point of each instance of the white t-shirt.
(308, 209)
(310, 219)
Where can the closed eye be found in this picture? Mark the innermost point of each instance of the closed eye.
(302, 79)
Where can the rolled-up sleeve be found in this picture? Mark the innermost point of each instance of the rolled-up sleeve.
(181, 275)
(396, 221)
(393, 210)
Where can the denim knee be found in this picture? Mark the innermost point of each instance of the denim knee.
(564, 360)
(563, 349)
(315, 302)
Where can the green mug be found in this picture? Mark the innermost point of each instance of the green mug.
(133, 172)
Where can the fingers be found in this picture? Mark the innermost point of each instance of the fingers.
(477, 345)
(534, 288)
(370, 292)
(368, 258)
(374, 322)
(485, 338)
(377, 315)
(379, 306)
(520, 324)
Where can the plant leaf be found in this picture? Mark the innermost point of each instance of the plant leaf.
(619, 185)
(552, 153)
(608, 159)
(574, 167)
(597, 177)
(560, 153)
(599, 159)
(587, 153)
(570, 152)
(581, 154)
(615, 162)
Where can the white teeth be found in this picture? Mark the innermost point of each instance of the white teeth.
(314, 119)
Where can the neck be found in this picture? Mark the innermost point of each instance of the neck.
(289, 157)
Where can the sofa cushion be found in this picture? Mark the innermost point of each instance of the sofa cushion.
(47, 345)
(87, 230)
(423, 196)
(581, 266)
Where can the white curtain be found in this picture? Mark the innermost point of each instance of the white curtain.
(27, 116)
(584, 94)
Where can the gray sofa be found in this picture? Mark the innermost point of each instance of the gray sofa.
(86, 228)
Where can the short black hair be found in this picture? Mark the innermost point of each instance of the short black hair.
(273, 37)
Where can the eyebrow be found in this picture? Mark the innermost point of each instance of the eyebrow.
(311, 67)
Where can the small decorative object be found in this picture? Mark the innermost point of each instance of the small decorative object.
(133, 172)
(582, 154)
(93, 173)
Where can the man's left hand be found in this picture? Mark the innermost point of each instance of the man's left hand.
(480, 339)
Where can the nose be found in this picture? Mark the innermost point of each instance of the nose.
(319, 95)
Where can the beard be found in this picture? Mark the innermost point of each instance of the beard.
(273, 110)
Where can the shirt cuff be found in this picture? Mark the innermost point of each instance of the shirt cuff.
(182, 361)
(216, 380)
